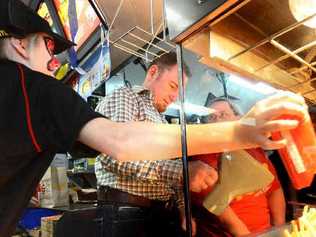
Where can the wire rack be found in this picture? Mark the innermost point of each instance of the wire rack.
(152, 48)
(140, 42)
(310, 95)
(287, 53)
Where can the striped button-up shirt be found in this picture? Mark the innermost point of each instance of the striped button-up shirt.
(156, 180)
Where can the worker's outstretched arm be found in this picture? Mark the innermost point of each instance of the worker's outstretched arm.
(141, 140)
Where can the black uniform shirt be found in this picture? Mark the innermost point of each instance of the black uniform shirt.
(39, 117)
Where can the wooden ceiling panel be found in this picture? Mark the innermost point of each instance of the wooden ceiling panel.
(268, 15)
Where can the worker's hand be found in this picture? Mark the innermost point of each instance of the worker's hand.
(263, 119)
(233, 223)
(201, 176)
(239, 231)
(183, 222)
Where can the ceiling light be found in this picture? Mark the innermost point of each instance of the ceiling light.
(191, 109)
(260, 87)
(302, 9)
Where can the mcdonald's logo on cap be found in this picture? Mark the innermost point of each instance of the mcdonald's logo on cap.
(3, 34)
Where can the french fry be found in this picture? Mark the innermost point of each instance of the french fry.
(301, 224)
(305, 210)
(287, 233)
(305, 226)
(309, 226)
(294, 227)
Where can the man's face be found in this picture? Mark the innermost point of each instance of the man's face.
(165, 88)
(223, 112)
(41, 55)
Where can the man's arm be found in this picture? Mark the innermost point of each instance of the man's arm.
(201, 175)
(277, 207)
(232, 222)
(145, 141)
(167, 171)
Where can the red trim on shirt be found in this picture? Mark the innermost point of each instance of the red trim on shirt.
(28, 111)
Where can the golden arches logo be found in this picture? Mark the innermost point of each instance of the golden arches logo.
(3, 33)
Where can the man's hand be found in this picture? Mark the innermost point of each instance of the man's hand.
(201, 176)
(264, 118)
(233, 224)
(277, 206)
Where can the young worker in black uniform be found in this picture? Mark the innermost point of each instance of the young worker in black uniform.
(40, 116)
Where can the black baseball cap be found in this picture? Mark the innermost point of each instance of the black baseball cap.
(18, 20)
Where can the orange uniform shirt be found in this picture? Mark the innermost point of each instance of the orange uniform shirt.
(251, 208)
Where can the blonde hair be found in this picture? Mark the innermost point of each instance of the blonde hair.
(3, 47)
(6, 51)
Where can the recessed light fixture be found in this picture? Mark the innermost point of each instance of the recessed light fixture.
(302, 9)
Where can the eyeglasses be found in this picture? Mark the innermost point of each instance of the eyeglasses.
(53, 64)
(215, 117)
(50, 45)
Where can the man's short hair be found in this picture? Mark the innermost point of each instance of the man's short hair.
(168, 60)
(5, 53)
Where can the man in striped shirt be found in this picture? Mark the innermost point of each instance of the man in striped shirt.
(160, 180)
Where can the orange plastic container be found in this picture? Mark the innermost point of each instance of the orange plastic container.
(299, 155)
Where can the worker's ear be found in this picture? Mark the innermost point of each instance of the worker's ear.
(153, 71)
(20, 46)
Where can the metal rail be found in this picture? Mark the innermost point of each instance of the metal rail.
(293, 55)
(274, 36)
(272, 39)
(185, 162)
(297, 51)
